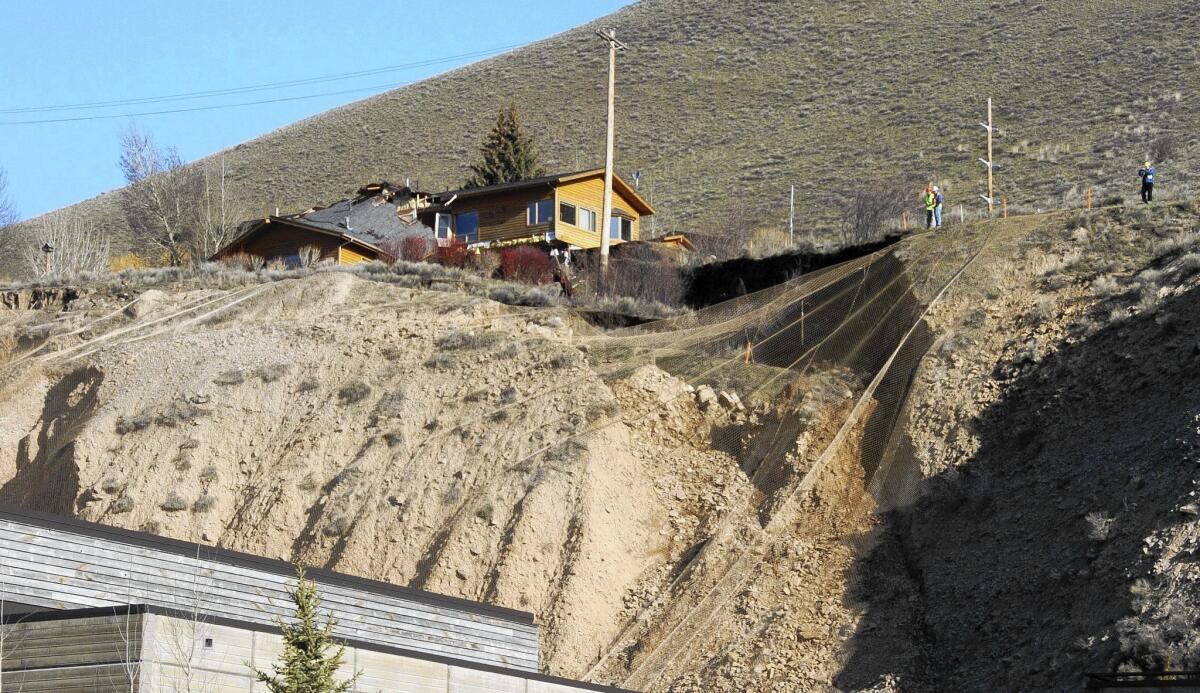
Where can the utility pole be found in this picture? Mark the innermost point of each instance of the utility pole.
(989, 162)
(610, 36)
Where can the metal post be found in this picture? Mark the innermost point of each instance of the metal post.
(610, 36)
(792, 217)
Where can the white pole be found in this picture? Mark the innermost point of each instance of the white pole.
(792, 217)
(991, 195)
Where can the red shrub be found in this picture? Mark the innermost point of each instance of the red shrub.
(526, 264)
(453, 255)
(415, 248)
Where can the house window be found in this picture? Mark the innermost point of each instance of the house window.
(587, 219)
(441, 227)
(540, 212)
(620, 228)
(466, 227)
(566, 213)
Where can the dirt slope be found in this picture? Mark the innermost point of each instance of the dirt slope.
(1053, 433)
(426, 438)
(1039, 497)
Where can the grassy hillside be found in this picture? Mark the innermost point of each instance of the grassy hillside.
(725, 103)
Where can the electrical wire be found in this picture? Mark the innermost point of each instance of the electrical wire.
(259, 87)
(203, 108)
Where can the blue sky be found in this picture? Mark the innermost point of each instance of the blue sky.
(58, 53)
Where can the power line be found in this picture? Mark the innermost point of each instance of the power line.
(259, 87)
(202, 108)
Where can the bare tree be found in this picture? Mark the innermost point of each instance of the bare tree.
(8, 211)
(8, 643)
(161, 203)
(185, 635)
(63, 246)
(131, 636)
(218, 217)
(870, 207)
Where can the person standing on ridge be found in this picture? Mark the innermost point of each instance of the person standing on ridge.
(1147, 175)
(930, 200)
(937, 206)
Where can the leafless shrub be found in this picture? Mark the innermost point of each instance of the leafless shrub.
(336, 527)
(64, 247)
(869, 208)
(269, 374)
(640, 273)
(1189, 264)
(230, 377)
(178, 412)
(1105, 286)
(208, 474)
(134, 423)
(466, 339)
(452, 495)
(121, 505)
(310, 255)
(204, 503)
(1099, 526)
(486, 263)
(1177, 244)
(486, 512)
(351, 393)
(174, 503)
(440, 361)
(308, 385)
(112, 485)
(1164, 147)
(534, 298)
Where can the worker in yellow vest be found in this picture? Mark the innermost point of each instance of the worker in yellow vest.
(930, 200)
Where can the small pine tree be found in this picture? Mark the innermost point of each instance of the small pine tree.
(307, 665)
(508, 154)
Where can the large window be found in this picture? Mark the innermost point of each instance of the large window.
(466, 227)
(540, 212)
(587, 219)
(620, 228)
(566, 213)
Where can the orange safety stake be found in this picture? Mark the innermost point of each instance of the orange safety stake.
(749, 351)
(1089, 197)
(1004, 201)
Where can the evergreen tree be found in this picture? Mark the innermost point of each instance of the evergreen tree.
(508, 155)
(310, 658)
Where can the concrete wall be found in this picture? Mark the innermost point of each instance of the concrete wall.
(68, 566)
(164, 652)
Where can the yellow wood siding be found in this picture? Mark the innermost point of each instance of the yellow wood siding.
(352, 256)
(505, 216)
(589, 193)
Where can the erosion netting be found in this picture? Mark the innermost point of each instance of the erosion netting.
(822, 364)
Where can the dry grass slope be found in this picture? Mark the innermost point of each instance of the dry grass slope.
(722, 101)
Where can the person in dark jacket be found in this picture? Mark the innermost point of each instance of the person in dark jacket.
(1146, 173)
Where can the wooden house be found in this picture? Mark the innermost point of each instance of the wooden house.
(370, 226)
(561, 210)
